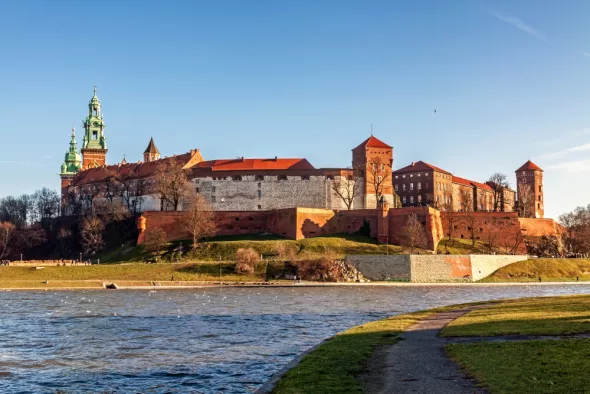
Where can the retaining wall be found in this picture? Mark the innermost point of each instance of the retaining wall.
(430, 268)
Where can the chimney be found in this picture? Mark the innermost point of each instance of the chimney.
(413, 163)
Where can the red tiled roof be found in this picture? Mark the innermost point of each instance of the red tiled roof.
(129, 170)
(373, 142)
(421, 166)
(256, 164)
(467, 182)
(529, 166)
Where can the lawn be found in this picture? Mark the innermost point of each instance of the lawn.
(335, 365)
(547, 269)
(527, 366)
(530, 316)
(203, 271)
(461, 246)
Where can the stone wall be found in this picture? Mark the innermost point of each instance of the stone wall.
(430, 268)
(382, 267)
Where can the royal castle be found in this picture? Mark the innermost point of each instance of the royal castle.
(251, 184)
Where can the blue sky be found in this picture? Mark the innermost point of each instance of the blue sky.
(509, 81)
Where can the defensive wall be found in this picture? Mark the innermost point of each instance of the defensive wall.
(430, 268)
(298, 223)
(539, 227)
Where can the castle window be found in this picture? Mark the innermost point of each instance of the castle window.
(419, 198)
(419, 174)
(404, 199)
(411, 186)
(95, 135)
(213, 189)
(197, 190)
(411, 199)
(213, 199)
(396, 177)
(306, 177)
(411, 175)
(403, 176)
(538, 206)
(282, 177)
(524, 173)
(237, 178)
(404, 187)
(259, 194)
(425, 174)
(426, 185)
(396, 187)
(540, 189)
(419, 185)
(540, 198)
(523, 180)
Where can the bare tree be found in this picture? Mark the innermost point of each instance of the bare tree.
(447, 206)
(577, 230)
(379, 177)
(347, 187)
(7, 232)
(526, 200)
(47, 203)
(413, 234)
(64, 236)
(171, 183)
(199, 220)
(155, 238)
(490, 235)
(91, 234)
(498, 182)
(466, 201)
(111, 183)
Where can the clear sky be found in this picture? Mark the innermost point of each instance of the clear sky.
(509, 81)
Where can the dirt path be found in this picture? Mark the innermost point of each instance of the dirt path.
(418, 364)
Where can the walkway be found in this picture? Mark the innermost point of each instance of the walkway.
(418, 363)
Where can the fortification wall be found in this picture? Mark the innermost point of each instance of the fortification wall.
(539, 227)
(484, 265)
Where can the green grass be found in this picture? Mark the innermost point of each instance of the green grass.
(530, 316)
(335, 365)
(461, 246)
(527, 366)
(203, 271)
(547, 269)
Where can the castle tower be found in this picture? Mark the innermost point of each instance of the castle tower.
(71, 164)
(373, 161)
(94, 146)
(529, 181)
(151, 153)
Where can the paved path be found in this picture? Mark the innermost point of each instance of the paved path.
(418, 364)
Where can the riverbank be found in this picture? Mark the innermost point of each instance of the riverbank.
(487, 339)
(554, 270)
(162, 285)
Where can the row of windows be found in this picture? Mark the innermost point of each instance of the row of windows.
(412, 175)
(411, 186)
(238, 178)
(419, 199)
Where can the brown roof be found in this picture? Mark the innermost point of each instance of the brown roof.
(467, 182)
(373, 142)
(529, 166)
(130, 170)
(420, 166)
(242, 164)
(151, 148)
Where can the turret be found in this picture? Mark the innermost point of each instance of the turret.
(94, 145)
(151, 153)
(529, 181)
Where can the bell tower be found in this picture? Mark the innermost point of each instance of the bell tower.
(94, 145)
(71, 164)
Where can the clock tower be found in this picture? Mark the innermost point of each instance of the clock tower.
(94, 145)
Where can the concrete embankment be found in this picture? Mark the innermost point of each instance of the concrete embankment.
(430, 268)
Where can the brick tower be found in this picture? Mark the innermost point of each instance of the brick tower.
(529, 180)
(94, 145)
(373, 161)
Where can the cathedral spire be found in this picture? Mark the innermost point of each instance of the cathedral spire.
(94, 145)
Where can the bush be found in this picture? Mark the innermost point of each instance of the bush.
(155, 238)
(323, 269)
(246, 260)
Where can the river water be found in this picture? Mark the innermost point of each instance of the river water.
(228, 340)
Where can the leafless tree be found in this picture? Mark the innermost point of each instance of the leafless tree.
(111, 182)
(64, 236)
(7, 232)
(91, 234)
(413, 234)
(199, 220)
(577, 230)
(155, 238)
(490, 235)
(466, 201)
(379, 174)
(47, 203)
(498, 182)
(171, 183)
(526, 200)
(449, 209)
(347, 187)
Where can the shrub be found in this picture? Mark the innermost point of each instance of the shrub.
(322, 269)
(246, 260)
(155, 238)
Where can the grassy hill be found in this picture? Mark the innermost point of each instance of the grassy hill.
(547, 269)
(270, 247)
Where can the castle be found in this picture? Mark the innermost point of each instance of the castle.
(244, 184)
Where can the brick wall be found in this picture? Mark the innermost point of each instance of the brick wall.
(539, 227)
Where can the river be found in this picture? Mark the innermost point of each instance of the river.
(213, 340)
